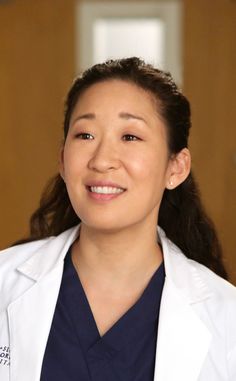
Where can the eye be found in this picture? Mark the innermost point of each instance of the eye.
(130, 138)
(84, 136)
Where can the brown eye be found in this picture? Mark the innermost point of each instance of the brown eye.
(130, 138)
(84, 136)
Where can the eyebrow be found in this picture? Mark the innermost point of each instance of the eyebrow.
(122, 115)
(88, 116)
(127, 115)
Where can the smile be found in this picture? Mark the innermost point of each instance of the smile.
(106, 190)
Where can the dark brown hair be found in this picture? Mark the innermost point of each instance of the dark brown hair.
(181, 214)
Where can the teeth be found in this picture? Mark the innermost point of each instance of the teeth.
(106, 190)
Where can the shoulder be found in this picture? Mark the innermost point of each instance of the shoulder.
(55, 245)
(206, 291)
(190, 274)
(223, 297)
(196, 282)
(10, 260)
(23, 265)
(37, 257)
(15, 255)
(12, 285)
(217, 284)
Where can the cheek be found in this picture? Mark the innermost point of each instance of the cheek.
(149, 166)
(73, 161)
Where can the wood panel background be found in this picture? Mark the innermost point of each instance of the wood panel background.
(36, 69)
(37, 65)
(210, 82)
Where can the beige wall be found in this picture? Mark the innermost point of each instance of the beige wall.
(37, 64)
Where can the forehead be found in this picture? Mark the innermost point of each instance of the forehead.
(117, 93)
(119, 99)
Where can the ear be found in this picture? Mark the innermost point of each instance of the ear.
(61, 163)
(179, 168)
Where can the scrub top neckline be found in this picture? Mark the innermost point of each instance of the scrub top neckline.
(143, 312)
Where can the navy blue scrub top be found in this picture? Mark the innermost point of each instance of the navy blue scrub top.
(75, 350)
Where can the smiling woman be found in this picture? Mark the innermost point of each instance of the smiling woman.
(126, 266)
(139, 165)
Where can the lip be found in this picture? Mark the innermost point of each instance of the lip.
(100, 197)
(103, 183)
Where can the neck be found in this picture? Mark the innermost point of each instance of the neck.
(117, 257)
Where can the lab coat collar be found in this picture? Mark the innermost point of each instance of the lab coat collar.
(182, 273)
(191, 285)
(49, 255)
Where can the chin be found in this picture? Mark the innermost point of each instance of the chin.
(106, 225)
(103, 226)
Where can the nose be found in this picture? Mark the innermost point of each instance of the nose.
(105, 157)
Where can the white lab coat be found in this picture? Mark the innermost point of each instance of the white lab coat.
(197, 323)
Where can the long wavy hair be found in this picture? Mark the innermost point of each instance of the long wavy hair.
(181, 213)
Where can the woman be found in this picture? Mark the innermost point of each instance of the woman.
(101, 293)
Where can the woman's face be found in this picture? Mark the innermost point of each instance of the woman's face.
(116, 144)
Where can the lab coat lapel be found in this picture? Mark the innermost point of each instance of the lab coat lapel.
(30, 318)
(183, 339)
